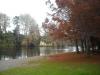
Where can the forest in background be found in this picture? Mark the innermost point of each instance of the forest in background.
(25, 31)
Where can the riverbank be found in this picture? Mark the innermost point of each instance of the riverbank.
(70, 57)
(59, 64)
(8, 64)
(49, 67)
(73, 57)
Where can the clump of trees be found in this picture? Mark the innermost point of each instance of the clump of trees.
(25, 31)
(75, 20)
(4, 36)
(26, 25)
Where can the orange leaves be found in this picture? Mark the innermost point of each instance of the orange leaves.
(65, 26)
(80, 8)
(56, 18)
(57, 34)
(64, 31)
(82, 18)
(63, 3)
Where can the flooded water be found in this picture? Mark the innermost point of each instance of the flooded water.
(7, 54)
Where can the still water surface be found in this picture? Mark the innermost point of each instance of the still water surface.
(7, 54)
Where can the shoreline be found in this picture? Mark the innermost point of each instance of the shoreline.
(12, 63)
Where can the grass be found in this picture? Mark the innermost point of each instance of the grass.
(46, 67)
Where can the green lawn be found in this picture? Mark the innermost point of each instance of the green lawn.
(51, 68)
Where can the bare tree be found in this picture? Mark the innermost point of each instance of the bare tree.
(30, 29)
(4, 22)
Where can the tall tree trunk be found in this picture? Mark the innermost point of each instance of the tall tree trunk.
(76, 43)
(87, 46)
(82, 45)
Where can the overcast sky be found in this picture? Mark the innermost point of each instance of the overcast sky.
(36, 8)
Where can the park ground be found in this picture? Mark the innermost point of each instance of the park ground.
(59, 64)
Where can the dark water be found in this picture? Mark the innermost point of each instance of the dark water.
(7, 54)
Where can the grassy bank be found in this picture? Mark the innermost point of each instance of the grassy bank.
(55, 68)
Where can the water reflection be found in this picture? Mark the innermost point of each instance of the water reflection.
(7, 54)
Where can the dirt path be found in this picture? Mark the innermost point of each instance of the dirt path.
(4, 65)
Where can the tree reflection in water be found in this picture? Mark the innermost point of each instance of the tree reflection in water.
(20, 53)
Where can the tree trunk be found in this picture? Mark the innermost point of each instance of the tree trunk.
(76, 43)
(87, 43)
(82, 45)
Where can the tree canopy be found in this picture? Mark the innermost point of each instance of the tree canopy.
(75, 19)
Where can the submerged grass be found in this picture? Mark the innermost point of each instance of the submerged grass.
(45, 67)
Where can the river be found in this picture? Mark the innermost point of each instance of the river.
(7, 54)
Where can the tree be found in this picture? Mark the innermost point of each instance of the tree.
(16, 22)
(60, 27)
(30, 29)
(4, 22)
(84, 17)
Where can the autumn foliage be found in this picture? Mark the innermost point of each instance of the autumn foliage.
(78, 20)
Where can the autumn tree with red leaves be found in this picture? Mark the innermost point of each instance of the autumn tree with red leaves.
(78, 20)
